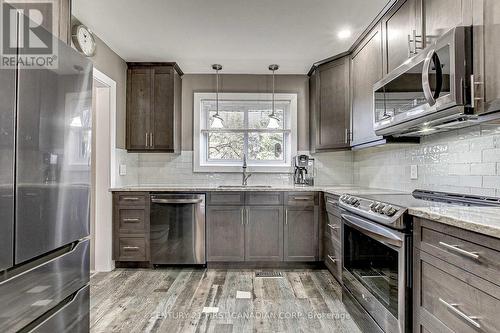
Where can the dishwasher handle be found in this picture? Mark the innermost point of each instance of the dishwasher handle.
(176, 201)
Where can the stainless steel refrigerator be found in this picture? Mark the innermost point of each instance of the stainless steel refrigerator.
(45, 140)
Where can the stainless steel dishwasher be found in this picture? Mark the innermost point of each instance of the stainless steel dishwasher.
(177, 229)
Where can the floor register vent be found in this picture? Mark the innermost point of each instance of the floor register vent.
(269, 274)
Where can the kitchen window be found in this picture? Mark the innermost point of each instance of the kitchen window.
(245, 130)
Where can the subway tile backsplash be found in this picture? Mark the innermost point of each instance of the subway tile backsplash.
(463, 161)
(170, 169)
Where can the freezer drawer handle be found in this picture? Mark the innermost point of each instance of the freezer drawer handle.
(453, 308)
(176, 201)
(456, 249)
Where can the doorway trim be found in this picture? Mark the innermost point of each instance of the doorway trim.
(103, 261)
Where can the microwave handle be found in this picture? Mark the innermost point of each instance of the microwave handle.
(426, 85)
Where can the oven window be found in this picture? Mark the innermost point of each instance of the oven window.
(373, 264)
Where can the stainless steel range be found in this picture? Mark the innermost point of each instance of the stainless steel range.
(377, 254)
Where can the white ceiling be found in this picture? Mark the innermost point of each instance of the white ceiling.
(245, 36)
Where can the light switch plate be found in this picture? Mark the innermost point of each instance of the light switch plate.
(123, 169)
(414, 171)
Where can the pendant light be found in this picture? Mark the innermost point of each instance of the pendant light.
(274, 121)
(217, 121)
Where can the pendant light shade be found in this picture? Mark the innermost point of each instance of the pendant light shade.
(274, 121)
(217, 121)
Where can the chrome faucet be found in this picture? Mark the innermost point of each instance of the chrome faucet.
(245, 176)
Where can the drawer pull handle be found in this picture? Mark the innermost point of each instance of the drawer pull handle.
(130, 198)
(455, 248)
(332, 259)
(302, 198)
(131, 220)
(453, 308)
(331, 202)
(135, 248)
(333, 227)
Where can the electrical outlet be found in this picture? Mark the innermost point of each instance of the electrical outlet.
(123, 169)
(414, 172)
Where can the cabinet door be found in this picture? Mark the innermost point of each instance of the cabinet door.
(225, 233)
(301, 234)
(486, 18)
(162, 117)
(439, 16)
(333, 120)
(139, 93)
(366, 70)
(399, 25)
(264, 233)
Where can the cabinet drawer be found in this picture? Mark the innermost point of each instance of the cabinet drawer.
(131, 220)
(333, 259)
(132, 249)
(455, 303)
(333, 227)
(131, 198)
(332, 205)
(466, 254)
(264, 198)
(300, 199)
(226, 198)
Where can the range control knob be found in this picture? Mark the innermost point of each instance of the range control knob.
(374, 206)
(380, 208)
(390, 211)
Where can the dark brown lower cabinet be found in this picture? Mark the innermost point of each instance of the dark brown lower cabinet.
(256, 231)
(264, 233)
(225, 233)
(131, 226)
(455, 289)
(300, 233)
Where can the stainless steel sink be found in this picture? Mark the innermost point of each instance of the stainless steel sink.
(244, 186)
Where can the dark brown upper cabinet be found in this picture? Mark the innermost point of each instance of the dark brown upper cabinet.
(366, 69)
(411, 25)
(329, 106)
(400, 31)
(154, 107)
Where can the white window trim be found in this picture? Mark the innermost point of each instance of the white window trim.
(198, 142)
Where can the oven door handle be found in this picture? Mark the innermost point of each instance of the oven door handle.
(374, 230)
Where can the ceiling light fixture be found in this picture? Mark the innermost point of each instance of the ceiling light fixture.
(344, 34)
(274, 121)
(217, 121)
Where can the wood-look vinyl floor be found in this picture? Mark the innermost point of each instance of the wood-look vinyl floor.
(173, 300)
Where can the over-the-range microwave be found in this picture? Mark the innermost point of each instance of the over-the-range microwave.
(431, 92)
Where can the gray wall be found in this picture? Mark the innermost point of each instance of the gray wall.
(298, 84)
(110, 63)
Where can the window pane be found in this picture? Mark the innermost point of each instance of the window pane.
(265, 146)
(225, 146)
(232, 115)
(258, 115)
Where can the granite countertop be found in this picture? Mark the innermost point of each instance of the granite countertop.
(331, 189)
(483, 220)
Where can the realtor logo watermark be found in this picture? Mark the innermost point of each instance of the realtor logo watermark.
(25, 40)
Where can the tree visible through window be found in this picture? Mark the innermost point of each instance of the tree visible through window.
(245, 131)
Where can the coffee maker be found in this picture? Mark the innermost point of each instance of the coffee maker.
(304, 170)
